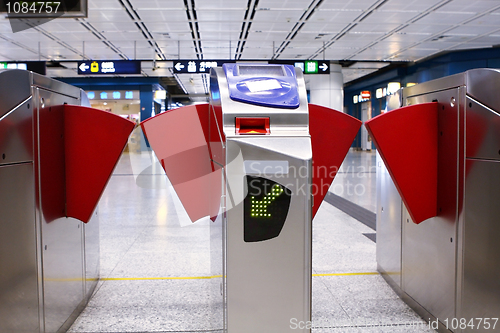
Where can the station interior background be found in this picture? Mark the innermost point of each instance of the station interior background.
(373, 42)
(370, 46)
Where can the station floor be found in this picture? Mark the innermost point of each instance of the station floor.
(154, 261)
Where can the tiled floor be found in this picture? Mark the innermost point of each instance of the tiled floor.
(152, 259)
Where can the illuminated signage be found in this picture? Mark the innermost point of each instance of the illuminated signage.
(365, 94)
(307, 66)
(34, 66)
(197, 66)
(115, 67)
(265, 209)
(160, 94)
(113, 95)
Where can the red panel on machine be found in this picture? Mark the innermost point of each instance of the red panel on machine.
(94, 141)
(179, 138)
(332, 133)
(407, 140)
(252, 125)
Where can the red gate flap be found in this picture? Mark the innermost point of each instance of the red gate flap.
(94, 141)
(179, 139)
(407, 140)
(332, 133)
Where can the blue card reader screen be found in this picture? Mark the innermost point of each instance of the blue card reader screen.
(273, 86)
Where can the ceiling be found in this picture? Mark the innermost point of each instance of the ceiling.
(368, 34)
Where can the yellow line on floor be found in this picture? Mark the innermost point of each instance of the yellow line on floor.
(347, 274)
(164, 278)
(219, 276)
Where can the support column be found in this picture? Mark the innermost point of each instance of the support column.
(327, 90)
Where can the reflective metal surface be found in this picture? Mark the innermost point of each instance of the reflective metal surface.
(481, 246)
(62, 238)
(450, 262)
(284, 121)
(18, 265)
(265, 283)
(429, 249)
(389, 219)
(49, 265)
(483, 135)
(10, 99)
(269, 282)
(16, 134)
(483, 85)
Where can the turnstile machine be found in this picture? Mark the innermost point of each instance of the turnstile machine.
(56, 157)
(258, 161)
(440, 250)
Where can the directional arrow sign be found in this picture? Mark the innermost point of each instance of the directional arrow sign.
(109, 67)
(84, 67)
(178, 66)
(309, 67)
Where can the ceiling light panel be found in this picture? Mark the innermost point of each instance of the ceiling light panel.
(424, 29)
(268, 36)
(103, 15)
(490, 19)
(355, 5)
(337, 16)
(322, 27)
(389, 17)
(340, 53)
(280, 16)
(380, 28)
(219, 4)
(414, 54)
(406, 38)
(475, 6)
(446, 18)
(414, 6)
(155, 15)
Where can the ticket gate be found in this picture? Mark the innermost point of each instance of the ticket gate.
(439, 250)
(258, 160)
(56, 156)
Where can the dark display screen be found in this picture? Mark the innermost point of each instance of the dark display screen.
(266, 207)
(43, 9)
(261, 70)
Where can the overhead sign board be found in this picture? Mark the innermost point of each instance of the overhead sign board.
(34, 66)
(113, 67)
(197, 66)
(307, 66)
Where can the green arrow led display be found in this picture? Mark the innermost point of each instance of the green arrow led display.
(265, 208)
(259, 207)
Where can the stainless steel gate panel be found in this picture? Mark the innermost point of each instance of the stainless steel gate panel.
(450, 262)
(429, 249)
(389, 205)
(481, 256)
(9, 99)
(479, 269)
(62, 238)
(260, 307)
(16, 134)
(18, 264)
(92, 254)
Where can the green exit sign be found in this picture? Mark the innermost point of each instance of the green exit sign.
(311, 67)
